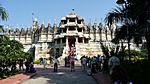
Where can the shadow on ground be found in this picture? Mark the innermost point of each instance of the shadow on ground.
(63, 76)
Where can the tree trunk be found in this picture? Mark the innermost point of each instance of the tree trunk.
(148, 46)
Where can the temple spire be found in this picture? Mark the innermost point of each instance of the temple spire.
(95, 22)
(55, 21)
(49, 23)
(72, 12)
(55, 26)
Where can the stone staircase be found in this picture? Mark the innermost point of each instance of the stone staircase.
(90, 49)
(87, 49)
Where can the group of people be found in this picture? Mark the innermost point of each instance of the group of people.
(70, 61)
(95, 63)
(44, 62)
(29, 66)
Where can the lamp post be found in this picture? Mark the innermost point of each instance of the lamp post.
(126, 22)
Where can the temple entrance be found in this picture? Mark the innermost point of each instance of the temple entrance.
(71, 44)
(71, 41)
(71, 51)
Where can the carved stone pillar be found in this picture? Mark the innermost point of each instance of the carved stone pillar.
(61, 30)
(76, 21)
(67, 30)
(66, 41)
(67, 20)
(83, 40)
(76, 29)
(76, 41)
(60, 41)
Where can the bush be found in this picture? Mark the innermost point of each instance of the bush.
(6, 73)
(36, 61)
(138, 72)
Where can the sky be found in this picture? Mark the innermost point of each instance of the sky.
(22, 12)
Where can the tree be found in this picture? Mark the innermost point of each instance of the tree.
(11, 52)
(3, 15)
(108, 51)
(134, 16)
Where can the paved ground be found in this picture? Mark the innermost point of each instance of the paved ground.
(102, 78)
(16, 79)
(63, 76)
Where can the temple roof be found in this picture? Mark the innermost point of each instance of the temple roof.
(72, 14)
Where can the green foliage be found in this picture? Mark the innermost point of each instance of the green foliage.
(108, 50)
(136, 55)
(137, 68)
(11, 52)
(144, 53)
(36, 61)
(3, 13)
(134, 17)
(122, 54)
(105, 50)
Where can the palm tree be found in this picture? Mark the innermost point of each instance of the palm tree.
(134, 16)
(3, 15)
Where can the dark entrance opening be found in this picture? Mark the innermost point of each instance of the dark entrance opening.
(71, 41)
(71, 44)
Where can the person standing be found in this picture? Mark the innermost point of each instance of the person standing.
(66, 61)
(84, 61)
(99, 62)
(112, 62)
(27, 64)
(94, 65)
(72, 62)
(21, 64)
(56, 62)
(41, 60)
(50, 60)
(44, 63)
